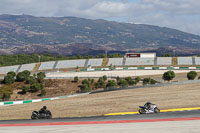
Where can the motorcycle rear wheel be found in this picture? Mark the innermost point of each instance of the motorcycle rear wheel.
(141, 111)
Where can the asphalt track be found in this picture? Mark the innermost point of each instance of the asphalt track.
(182, 121)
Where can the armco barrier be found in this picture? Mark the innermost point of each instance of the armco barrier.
(38, 100)
(143, 68)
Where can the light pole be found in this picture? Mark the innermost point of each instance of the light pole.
(39, 58)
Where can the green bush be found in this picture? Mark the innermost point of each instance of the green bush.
(40, 77)
(6, 95)
(122, 83)
(25, 89)
(104, 78)
(111, 83)
(11, 74)
(137, 79)
(75, 79)
(8, 79)
(23, 76)
(43, 92)
(191, 75)
(85, 88)
(169, 75)
(35, 87)
(31, 80)
(147, 81)
(100, 83)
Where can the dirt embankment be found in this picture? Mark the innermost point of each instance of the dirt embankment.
(53, 87)
(167, 97)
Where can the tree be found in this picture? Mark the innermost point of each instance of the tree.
(122, 83)
(111, 83)
(35, 87)
(23, 76)
(40, 77)
(86, 85)
(43, 92)
(191, 75)
(166, 55)
(8, 79)
(147, 81)
(137, 79)
(104, 78)
(75, 79)
(12, 74)
(130, 81)
(25, 89)
(169, 75)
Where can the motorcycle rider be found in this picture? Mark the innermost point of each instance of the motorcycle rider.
(43, 110)
(148, 105)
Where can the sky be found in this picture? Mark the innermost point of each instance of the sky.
(183, 15)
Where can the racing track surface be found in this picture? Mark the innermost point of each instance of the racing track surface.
(184, 121)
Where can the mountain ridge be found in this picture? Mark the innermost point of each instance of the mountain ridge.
(72, 34)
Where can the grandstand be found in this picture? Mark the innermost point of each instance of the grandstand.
(164, 61)
(185, 61)
(139, 61)
(197, 60)
(70, 64)
(84, 63)
(115, 62)
(4, 70)
(28, 67)
(95, 62)
(47, 65)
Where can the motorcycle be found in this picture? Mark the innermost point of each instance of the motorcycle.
(38, 115)
(145, 110)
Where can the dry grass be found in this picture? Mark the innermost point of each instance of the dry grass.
(176, 96)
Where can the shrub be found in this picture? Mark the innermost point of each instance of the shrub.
(85, 88)
(75, 79)
(111, 83)
(25, 89)
(169, 75)
(40, 77)
(6, 95)
(35, 87)
(23, 76)
(8, 79)
(137, 79)
(11, 74)
(191, 75)
(118, 78)
(130, 81)
(147, 81)
(122, 83)
(31, 80)
(104, 78)
(43, 92)
(100, 83)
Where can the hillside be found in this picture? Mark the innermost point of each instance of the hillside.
(71, 35)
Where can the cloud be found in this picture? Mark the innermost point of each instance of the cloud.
(179, 14)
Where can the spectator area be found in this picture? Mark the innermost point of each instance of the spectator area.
(47, 65)
(197, 60)
(70, 63)
(28, 67)
(164, 60)
(4, 70)
(184, 60)
(95, 62)
(115, 62)
(139, 61)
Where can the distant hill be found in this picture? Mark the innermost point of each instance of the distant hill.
(71, 35)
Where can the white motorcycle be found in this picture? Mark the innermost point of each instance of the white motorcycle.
(153, 109)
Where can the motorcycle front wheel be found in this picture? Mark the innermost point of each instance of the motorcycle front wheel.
(141, 111)
(34, 117)
(156, 110)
